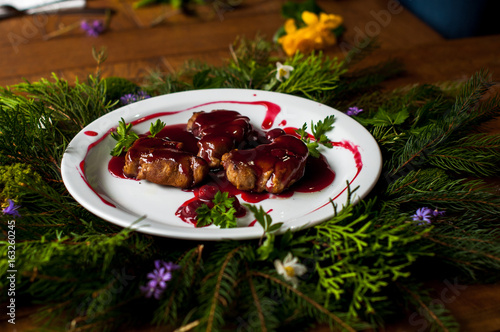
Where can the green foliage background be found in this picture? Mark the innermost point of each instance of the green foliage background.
(367, 264)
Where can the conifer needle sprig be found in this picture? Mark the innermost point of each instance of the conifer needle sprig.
(465, 113)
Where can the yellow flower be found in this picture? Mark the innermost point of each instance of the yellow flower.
(317, 34)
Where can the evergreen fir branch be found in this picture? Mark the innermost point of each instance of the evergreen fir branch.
(219, 287)
(470, 106)
(158, 83)
(478, 155)
(470, 247)
(435, 188)
(438, 317)
(258, 305)
(179, 290)
(313, 75)
(259, 49)
(455, 201)
(78, 105)
(466, 112)
(218, 290)
(250, 66)
(426, 180)
(475, 252)
(339, 322)
(23, 139)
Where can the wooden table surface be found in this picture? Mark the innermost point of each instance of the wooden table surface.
(33, 48)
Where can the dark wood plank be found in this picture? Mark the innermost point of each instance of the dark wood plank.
(188, 37)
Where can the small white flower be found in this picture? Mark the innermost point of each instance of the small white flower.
(282, 71)
(42, 120)
(290, 269)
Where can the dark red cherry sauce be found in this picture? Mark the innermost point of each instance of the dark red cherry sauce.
(205, 195)
(91, 133)
(282, 154)
(219, 131)
(175, 133)
(116, 165)
(317, 176)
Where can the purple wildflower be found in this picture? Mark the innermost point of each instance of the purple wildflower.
(353, 111)
(437, 213)
(94, 28)
(424, 215)
(151, 291)
(158, 279)
(168, 265)
(133, 97)
(11, 209)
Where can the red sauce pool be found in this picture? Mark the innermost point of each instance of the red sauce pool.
(318, 176)
(91, 133)
(318, 173)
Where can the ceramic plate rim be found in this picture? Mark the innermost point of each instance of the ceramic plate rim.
(84, 194)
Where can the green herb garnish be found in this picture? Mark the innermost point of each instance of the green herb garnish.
(124, 136)
(222, 214)
(319, 131)
(156, 127)
(265, 220)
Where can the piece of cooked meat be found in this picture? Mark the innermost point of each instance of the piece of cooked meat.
(162, 161)
(269, 167)
(219, 131)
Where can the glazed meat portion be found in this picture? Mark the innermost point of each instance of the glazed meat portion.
(163, 161)
(219, 132)
(269, 167)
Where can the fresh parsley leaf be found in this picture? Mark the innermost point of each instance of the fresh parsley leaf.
(156, 127)
(384, 119)
(321, 128)
(319, 137)
(222, 214)
(124, 136)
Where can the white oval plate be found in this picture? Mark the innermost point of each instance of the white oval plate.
(123, 202)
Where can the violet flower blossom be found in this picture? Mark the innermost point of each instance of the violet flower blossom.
(425, 215)
(353, 111)
(94, 28)
(158, 279)
(436, 213)
(133, 97)
(11, 209)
